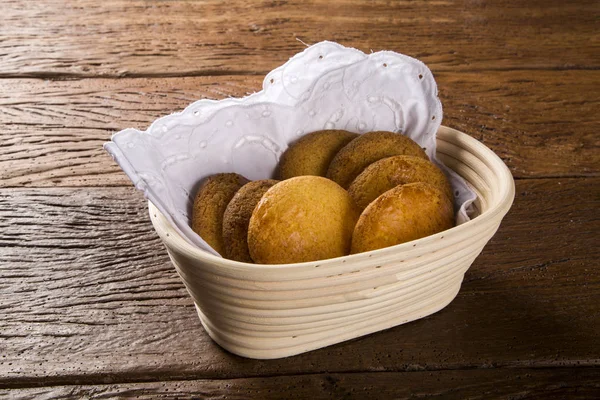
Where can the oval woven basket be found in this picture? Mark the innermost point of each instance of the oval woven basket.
(273, 311)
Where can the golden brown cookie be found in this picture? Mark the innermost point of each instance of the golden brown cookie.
(312, 153)
(404, 213)
(306, 218)
(357, 155)
(209, 205)
(237, 218)
(390, 172)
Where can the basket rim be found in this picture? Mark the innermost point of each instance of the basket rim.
(173, 240)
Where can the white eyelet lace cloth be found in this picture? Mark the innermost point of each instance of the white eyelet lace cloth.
(327, 86)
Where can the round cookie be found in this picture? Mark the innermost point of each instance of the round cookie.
(209, 205)
(390, 172)
(357, 155)
(237, 218)
(305, 218)
(404, 213)
(312, 153)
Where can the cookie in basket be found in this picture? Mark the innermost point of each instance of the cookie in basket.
(209, 206)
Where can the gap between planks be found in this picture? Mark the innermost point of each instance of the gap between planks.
(51, 76)
(101, 379)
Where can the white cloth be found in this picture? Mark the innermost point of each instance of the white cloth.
(327, 86)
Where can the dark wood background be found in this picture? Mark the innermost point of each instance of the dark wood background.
(91, 306)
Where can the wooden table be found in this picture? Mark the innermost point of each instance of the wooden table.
(89, 302)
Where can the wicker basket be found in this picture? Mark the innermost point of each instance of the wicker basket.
(273, 311)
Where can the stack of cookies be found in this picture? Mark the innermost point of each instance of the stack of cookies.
(335, 193)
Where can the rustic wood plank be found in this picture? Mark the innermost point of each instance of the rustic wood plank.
(87, 295)
(83, 38)
(51, 133)
(542, 124)
(574, 383)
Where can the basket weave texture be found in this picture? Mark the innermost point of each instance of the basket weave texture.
(274, 311)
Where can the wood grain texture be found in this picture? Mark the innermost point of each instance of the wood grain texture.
(555, 383)
(90, 305)
(87, 295)
(52, 132)
(117, 38)
(542, 124)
